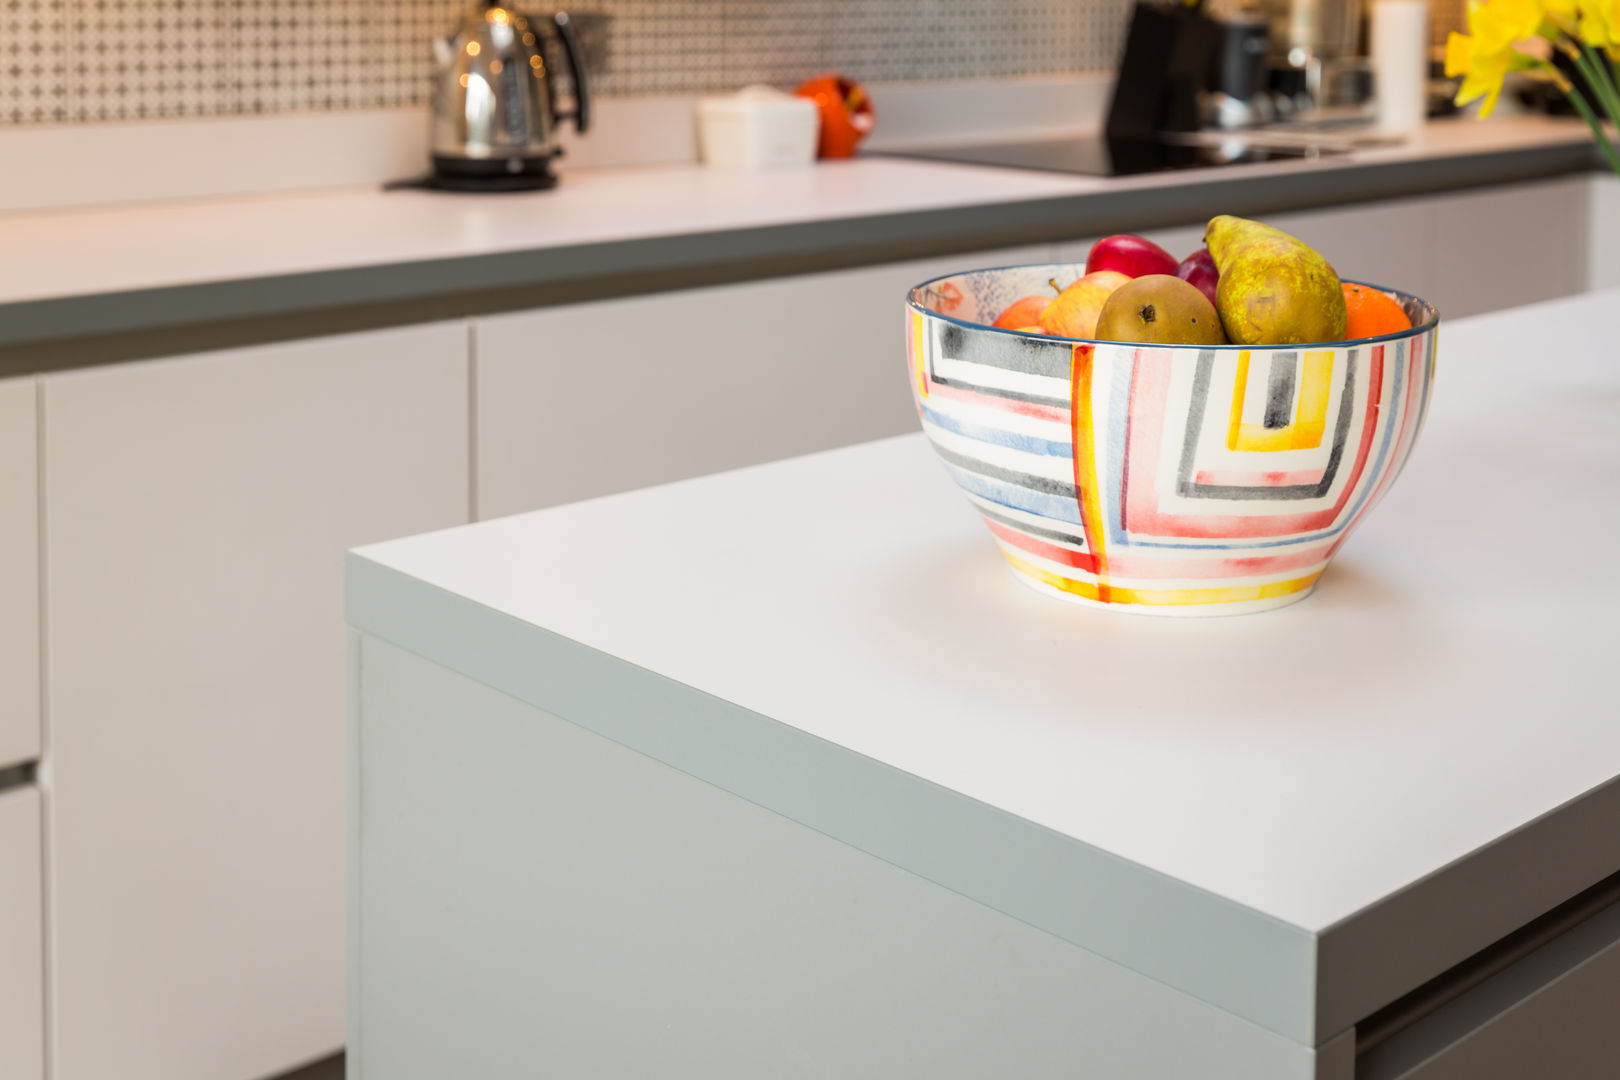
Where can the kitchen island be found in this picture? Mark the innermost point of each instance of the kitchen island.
(780, 772)
(325, 369)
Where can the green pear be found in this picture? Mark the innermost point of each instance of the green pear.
(1274, 289)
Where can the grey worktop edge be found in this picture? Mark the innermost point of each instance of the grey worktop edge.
(1227, 955)
(510, 280)
(1394, 946)
(1420, 1043)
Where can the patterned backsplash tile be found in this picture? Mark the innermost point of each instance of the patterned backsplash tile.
(95, 60)
(1444, 17)
(133, 59)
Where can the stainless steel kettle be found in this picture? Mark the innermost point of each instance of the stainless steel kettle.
(494, 114)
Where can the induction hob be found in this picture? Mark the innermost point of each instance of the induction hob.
(1099, 155)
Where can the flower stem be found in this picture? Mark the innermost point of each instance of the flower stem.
(1578, 99)
(1597, 77)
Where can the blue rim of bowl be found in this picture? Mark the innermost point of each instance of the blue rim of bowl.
(911, 302)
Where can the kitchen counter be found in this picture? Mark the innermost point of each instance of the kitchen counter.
(405, 256)
(1292, 819)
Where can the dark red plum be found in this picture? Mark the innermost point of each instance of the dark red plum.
(1199, 269)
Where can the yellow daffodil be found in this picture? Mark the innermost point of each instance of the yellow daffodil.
(1500, 23)
(1561, 10)
(1483, 75)
(1598, 23)
(1521, 35)
(1486, 54)
(1459, 54)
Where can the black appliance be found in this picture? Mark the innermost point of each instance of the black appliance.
(1168, 60)
(1183, 70)
(1177, 60)
(1103, 155)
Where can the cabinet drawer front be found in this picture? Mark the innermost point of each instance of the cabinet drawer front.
(22, 1014)
(19, 575)
(588, 399)
(198, 513)
(1551, 1014)
(1544, 226)
(1603, 259)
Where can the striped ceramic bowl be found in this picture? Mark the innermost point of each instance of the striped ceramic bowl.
(1172, 480)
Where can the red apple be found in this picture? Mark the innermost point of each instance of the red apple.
(1199, 269)
(1130, 255)
(1075, 312)
(1022, 313)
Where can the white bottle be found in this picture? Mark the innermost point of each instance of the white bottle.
(1400, 61)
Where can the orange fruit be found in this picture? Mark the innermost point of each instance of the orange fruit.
(1372, 313)
(1022, 313)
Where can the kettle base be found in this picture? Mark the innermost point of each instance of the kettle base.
(492, 174)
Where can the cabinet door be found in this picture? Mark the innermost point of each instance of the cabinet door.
(1603, 234)
(19, 575)
(1387, 243)
(198, 510)
(1504, 247)
(588, 399)
(22, 975)
(1550, 1013)
(1178, 240)
(1467, 253)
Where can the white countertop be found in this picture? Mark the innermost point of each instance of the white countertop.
(220, 239)
(1449, 682)
(81, 253)
(1432, 732)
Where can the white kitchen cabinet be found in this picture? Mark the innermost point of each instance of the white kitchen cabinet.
(19, 575)
(1603, 234)
(22, 976)
(586, 399)
(1382, 242)
(1179, 240)
(1504, 247)
(1386, 244)
(1468, 253)
(198, 510)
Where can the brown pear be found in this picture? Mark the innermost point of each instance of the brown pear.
(1160, 310)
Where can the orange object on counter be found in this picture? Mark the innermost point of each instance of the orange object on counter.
(846, 113)
(1371, 313)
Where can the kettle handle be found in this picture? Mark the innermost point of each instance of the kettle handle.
(581, 116)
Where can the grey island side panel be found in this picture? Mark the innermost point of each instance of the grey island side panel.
(215, 313)
(1220, 952)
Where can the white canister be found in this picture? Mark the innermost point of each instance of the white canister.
(1400, 60)
(758, 128)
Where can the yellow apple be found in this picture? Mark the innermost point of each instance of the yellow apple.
(1075, 312)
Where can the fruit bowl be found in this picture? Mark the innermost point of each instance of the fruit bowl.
(1162, 479)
